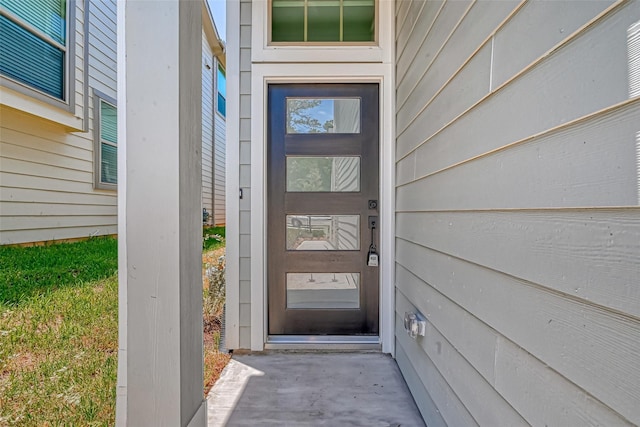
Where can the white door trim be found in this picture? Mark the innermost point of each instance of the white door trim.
(261, 76)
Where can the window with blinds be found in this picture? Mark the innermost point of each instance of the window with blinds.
(323, 21)
(33, 44)
(106, 133)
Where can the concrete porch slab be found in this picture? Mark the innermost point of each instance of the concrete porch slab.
(312, 389)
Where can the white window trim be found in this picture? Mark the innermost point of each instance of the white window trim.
(263, 51)
(68, 103)
(99, 97)
(262, 75)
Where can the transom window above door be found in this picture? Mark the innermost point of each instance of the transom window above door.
(323, 21)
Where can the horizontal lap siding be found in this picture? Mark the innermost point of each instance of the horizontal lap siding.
(46, 183)
(518, 226)
(219, 170)
(102, 47)
(207, 126)
(46, 172)
(78, 62)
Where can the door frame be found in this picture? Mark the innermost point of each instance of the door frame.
(261, 76)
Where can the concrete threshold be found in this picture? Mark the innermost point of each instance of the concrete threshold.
(312, 389)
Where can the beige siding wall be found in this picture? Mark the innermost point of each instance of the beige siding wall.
(213, 140)
(245, 173)
(102, 46)
(518, 226)
(208, 93)
(46, 172)
(219, 170)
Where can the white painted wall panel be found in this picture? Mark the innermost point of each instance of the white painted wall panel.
(418, 13)
(54, 209)
(46, 183)
(402, 9)
(518, 226)
(453, 411)
(464, 90)
(46, 172)
(410, 68)
(592, 347)
(546, 399)
(17, 166)
(549, 394)
(219, 170)
(25, 222)
(31, 195)
(51, 234)
(590, 73)
(474, 384)
(474, 339)
(61, 155)
(589, 254)
(18, 129)
(480, 21)
(535, 30)
(430, 412)
(102, 46)
(209, 67)
(592, 163)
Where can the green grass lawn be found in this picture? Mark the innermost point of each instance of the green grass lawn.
(213, 238)
(58, 334)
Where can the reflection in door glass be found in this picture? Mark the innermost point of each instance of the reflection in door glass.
(323, 115)
(331, 174)
(323, 232)
(323, 290)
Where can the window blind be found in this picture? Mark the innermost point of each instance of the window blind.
(33, 43)
(108, 145)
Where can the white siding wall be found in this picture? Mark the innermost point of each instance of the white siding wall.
(102, 46)
(219, 170)
(213, 140)
(208, 93)
(518, 226)
(46, 172)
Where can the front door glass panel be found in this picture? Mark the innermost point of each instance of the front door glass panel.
(336, 174)
(323, 115)
(323, 232)
(323, 290)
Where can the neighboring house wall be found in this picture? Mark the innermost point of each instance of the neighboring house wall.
(208, 93)
(213, 128)
(517, 211)
(46, 168)
(49, 159)
(219, 197)
(102, 47)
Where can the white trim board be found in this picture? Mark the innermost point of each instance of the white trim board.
(261, 76)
